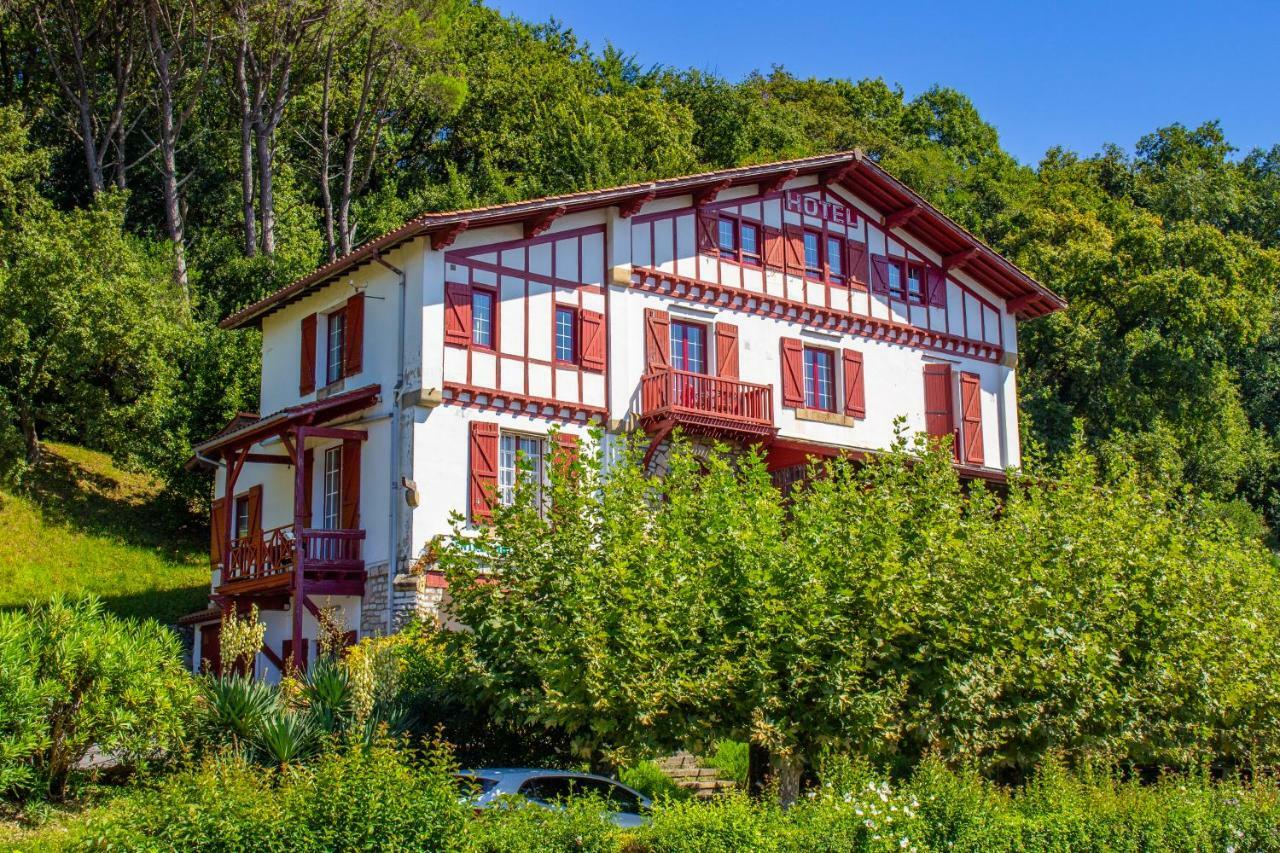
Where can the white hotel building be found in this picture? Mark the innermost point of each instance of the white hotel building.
(801, 305)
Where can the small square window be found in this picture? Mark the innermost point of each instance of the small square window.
(750, 239)
(335, 346)
(566, 335)
(482, 318)
(726, 237)
(835, 258)
(819, 379)
(812, 257)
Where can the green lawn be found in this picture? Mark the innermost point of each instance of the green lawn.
(83, 525)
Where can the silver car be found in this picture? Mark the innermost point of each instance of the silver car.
(550, 788)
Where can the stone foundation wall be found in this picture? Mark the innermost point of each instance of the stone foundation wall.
(373, 607)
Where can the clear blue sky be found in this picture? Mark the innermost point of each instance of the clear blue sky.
(1079, 75)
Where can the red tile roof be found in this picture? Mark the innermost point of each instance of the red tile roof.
(1029, 298)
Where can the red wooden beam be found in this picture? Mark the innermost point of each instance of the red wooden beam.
(960, 258)
(706, 195)
(1017, 303)
(444, 239)
(777, 181)
(335, 432)
(270, 458)
(300, 523)
(273, 657)
(838, 174)
(631, 207)
(289, 448)
(540, 223)
(903, 216)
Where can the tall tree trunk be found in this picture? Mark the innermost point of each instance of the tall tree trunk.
(165, 84)
(789, 770)
(89, 145)
(266, 193)
(326, 197)
(30, 437)
(246, 151)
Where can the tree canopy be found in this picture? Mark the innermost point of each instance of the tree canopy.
(236, 147)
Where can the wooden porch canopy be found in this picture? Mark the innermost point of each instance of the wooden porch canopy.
(310, 561)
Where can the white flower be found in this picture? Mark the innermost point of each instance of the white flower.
(904, 843)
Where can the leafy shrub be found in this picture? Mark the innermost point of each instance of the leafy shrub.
(647, 778)
(352, 798)
(580, 825)
(731, 758)
(727, 823)
(74, 677)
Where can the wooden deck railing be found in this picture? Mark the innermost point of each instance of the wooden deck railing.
(671, 391)
(273, 552)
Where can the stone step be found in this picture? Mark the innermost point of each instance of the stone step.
(684, 769)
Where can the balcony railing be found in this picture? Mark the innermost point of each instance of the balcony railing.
(710, 400)
(273, 552)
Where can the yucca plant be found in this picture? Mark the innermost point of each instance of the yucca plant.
(286, 737)
(328, 694)
(238, 705)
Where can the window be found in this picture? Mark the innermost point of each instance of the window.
(566, 335)
(894, 270)
(519, 456)
(835, 259)
(334, 345)
(819, 379)
(749, 241)
(241, 528)
(727, 236)
(550, 789)
(482, 317)
(812, 257)
(915, 283)
(332, 486)
(689, 346)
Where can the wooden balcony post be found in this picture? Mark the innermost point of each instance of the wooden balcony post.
(299, 544)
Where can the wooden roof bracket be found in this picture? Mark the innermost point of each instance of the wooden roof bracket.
(777, 182)
(631, 207)
(539, 224)
(960, 258)
(444, 239)
(706, 195)
(901, 217)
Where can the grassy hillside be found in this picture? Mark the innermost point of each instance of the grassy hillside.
(82, 524)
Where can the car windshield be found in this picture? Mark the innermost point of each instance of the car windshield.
(474, 785)
(549, 789)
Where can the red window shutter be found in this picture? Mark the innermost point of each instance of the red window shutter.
(792, 372)
(591, 340)
(350, 485)
(857, 263)
(775, 253)
(353, 345)
(211, 649)
(795, 249)
(255, 511)
(855, 393)
(567, 446)
(879, 274)
(708, 232)
(307, 364)
(935, 286)
(657, 339)
(457, 314)
(939, 419)
(484, 469)
(727, 350)
(308, 477)
(217, 531)
(971, 415)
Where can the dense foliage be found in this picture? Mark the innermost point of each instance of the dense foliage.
(382, 798)
(72, 679)
(174, 160)
(882, 609)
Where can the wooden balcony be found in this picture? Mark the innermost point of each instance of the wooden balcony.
(706, 405)
(268, 561)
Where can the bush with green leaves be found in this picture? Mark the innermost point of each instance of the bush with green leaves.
(354, 796)
(885, 609)
(74, 678)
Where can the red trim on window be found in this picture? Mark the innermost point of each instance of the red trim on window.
(792, 372)
(484, 470)
(708, 232)
(657, 339)
(814, 377)
(576, 336)
(855, 394)
(307, 363)
(492, 293)
(939, 414)
(726, 350)
(591, 340)
(457, 314)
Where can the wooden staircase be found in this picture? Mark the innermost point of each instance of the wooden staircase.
(705, 782)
